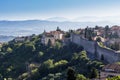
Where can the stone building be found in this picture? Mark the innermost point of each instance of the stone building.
(46, 37)
(115, 30)
(57, 34)
(19, 39)
(52, 36)
(110, 70)
(23, 38)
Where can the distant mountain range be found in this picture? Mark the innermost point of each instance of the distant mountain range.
(52, 23)
(115, 19)
(6, 38)
(58, 19)
(28, 27)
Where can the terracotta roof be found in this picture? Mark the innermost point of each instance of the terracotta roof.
(49, 35)
(115, 67)
(55, 32)
(52, 33)
(115, 28)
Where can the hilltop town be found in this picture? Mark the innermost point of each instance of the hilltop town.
(94, 50)
(109, 36)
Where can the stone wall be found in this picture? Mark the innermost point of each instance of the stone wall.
(110, 56)
(88, 45)
(91, 46)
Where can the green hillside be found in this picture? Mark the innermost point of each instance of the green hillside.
(31, 60)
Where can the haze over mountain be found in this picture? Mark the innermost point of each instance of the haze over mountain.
(4, 38)
(113, 19)
(29, 27)
(58, 19)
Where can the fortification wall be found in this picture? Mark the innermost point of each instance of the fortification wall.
(109, 55)
(88, 45)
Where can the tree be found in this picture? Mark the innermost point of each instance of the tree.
(57, 45)
(106, 30)
(58, 29)
(48, 64)
(83, 55)
(96, 27)
(89, 33)
(28, 47)
(94, 73)
(80, 77)
(85, 33)
(9, 50)
(71, 74)
(61, 62)
(40, 54)
(114, 78)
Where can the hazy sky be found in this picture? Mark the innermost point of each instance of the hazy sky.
(71, 9)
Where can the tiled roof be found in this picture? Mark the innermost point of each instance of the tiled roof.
(115, 28)
(55, 32)
(112, 66)
(49, 35)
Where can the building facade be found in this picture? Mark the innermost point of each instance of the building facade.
(51, 36)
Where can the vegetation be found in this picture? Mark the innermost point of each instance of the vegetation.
(115, 46)
(94, 73)
(71, 74)
(89, 33)
(114, 78)
(31, 60)
(101, 44)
